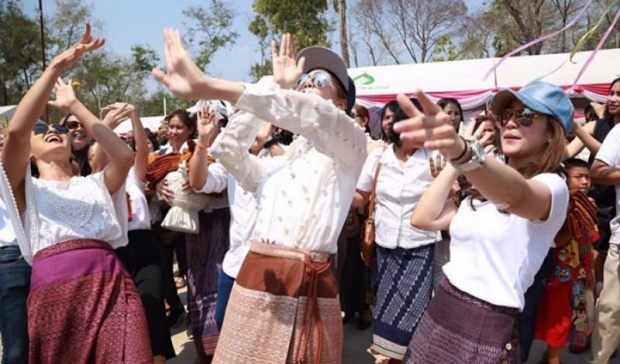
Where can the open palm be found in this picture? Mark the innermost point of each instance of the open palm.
(286, 70)
(183, 77)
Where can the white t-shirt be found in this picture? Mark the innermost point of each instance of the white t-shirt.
(610, 155)
(494, 256)
(140, 215)
(399, 189)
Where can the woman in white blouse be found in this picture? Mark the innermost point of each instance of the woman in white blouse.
(403, 264)
(501, 233)
(83, 306)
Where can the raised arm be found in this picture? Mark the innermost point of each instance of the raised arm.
(331, 130)
(121, 157)
(583, 139)
(208, 129)
(605, 170)
(231, 149)
(31, 107)
(496, 181)
(116, 113)
(436, 209)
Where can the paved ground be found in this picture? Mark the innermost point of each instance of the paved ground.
(355, 347)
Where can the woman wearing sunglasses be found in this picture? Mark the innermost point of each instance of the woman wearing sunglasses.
(81, 141)
(83, 306)
(284, 303)
(501, 232)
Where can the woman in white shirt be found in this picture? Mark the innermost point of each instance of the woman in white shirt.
(83, 305)
(206, 249)
(141, 256)
(403, 265)
(501, 233)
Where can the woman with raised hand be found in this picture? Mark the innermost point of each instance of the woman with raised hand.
(141, 256)
(284, 303)
(501, 232)
(206, 249)
(83, 306)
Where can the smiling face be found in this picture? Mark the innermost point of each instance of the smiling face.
(178, 132)
(524, 142)
(388, 119)
(613, 100)
(454, 113)
(50, 145)
(79, 135)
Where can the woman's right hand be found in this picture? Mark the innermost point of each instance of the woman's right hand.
(86, 44)
(65, 96)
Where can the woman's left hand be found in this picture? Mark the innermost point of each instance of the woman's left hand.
(431, 127)
(65, 96)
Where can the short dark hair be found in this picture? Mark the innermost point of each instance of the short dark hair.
(575, 163)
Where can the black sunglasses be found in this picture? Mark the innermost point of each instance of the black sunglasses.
(72, 124)
(524, 117)
(43, 128)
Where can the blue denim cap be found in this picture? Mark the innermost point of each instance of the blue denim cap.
(542, 97)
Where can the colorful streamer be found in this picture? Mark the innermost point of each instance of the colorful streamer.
(540, 39)
(598, 47)
(590, 32)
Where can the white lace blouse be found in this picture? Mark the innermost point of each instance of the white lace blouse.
(81, 208)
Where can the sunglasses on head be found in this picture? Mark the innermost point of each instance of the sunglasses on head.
(44, 128)
(72, 124)
(320, 79)
(523, 117)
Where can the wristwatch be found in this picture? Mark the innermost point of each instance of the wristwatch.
(476, 158)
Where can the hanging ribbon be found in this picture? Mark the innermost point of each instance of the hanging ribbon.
(540, 39)
(598, 47)
(584, 38)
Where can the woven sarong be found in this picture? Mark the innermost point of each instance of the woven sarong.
(459, 328)
(83, 307)
(402, 287)
(283, 308)
(205, 253)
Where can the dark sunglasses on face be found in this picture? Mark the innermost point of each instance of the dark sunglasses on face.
(43, 128)
(320, 79)
(72, 124)
(523, 117)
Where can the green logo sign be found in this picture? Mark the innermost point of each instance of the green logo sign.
(364, 79)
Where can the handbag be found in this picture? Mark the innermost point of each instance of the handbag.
(367, 244)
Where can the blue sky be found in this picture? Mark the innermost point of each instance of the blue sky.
(129, 22)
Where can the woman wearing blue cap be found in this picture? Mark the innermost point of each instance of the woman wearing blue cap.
(503, 229)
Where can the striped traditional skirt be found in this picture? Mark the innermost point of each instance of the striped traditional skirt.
(205, 253)
(459, 328)
(283, 308)
(403, 284)
(83, 307)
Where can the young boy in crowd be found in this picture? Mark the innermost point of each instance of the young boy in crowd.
(561, 315)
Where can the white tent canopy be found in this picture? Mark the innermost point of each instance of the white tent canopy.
(151, 122)
(464, 80)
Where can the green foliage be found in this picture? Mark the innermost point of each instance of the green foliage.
(153, 105)
(19, 52)
(305, 20)
(209, 30)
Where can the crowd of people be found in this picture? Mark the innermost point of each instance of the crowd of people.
(455, 241)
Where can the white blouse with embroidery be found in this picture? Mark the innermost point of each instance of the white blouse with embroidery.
(303, 200)
(81, 208)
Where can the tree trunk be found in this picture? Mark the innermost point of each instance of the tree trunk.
(344, 43)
